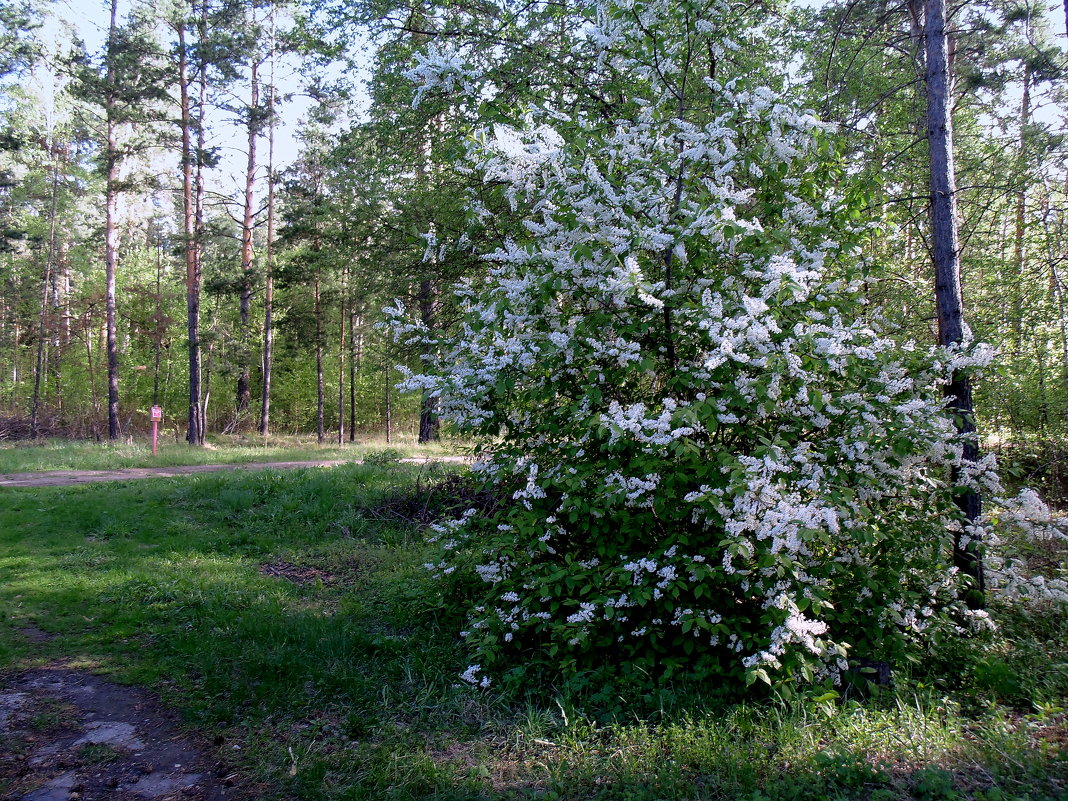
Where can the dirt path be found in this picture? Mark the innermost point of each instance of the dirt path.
(68, 734)
(63, 478)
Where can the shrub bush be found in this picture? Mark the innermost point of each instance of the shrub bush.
(721, 467)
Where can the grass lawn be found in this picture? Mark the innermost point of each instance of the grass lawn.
(287, 616)
(24, 457)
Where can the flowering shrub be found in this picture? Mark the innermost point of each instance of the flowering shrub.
(719, 466)
(1027, 563)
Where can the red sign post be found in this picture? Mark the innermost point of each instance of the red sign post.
(156, 416)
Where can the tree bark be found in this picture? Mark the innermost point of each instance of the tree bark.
(428, 411)
(244, 393)
(946, 248)
(200, 186)
(161, 328)
(46, 284)
(268, 294)
(194, 434)
(111, 230)
(320, 393)
(355, 346)
(389, 404)
(341, 367)
(1019, 244)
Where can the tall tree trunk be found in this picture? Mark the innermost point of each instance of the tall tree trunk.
(200, 185)
(428, 411)
(160, 326)
(946, 248)
(320, 394)
(63, 261)
(46, 284)
(389, 404)
(355, 346)
(1062, 321)
(192, 272)
(268, 296)
(111, 230)
(1019, 245)
(93, 396)
(244, 394)
(341, 369)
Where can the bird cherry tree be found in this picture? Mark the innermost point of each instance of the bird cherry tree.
(715, 464)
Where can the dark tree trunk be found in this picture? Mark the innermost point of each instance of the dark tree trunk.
(1019, 254)
(161, 328)
(42, 328)
(341, 371)
(111, 231)
(355, 342)
(200, 186)
(946, 249)
(194, 433)
(244, 394)
(268, 293)
(389, 404)
(428, 410)
(320, 429)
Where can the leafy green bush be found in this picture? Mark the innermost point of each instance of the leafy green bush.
(721, 470)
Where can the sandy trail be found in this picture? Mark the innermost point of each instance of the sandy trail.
(64, 478)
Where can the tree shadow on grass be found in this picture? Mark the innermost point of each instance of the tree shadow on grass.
(343, 689)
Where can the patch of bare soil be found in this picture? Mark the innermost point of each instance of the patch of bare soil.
(296, 573)
(67, 735)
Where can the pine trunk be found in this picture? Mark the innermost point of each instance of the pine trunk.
(428, 410)
(341, 372)
(268, 293)
(320, 392)
(946, 249)
(111, 230)
(244, 393)
(355, 343)
(43, 321)
(200, 186)
(194, 435)
(1019, 245)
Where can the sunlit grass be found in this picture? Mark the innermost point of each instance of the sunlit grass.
(289, 615)
(234, 449)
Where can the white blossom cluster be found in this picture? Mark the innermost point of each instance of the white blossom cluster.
(711, 451)
(439, 69)
(1025, 527)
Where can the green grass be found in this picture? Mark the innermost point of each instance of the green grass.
(343, 685)
(24, 457)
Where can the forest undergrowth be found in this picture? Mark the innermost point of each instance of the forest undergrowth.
(290, 619)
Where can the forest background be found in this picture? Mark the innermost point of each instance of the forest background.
(170, 235)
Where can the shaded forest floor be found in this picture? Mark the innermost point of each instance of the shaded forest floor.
(283, 625)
